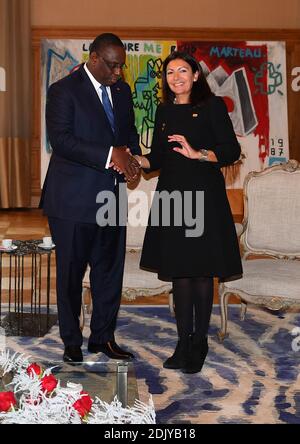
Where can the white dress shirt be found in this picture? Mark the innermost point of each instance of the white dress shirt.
(97, 87)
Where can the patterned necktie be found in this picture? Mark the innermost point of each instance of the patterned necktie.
(107, 107)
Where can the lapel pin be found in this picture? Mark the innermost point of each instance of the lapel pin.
(163, 126)
(195, 115)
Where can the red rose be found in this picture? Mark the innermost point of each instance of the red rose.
(34, 369)
(7, 400)
(80, 407)
(48, 383)
(86, 401)
(83, 405)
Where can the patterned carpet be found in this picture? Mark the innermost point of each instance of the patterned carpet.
(252, 377)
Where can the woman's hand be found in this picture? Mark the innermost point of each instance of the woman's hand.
(186, 149)
(189, 152)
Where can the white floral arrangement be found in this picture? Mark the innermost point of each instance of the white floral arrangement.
(37, 397)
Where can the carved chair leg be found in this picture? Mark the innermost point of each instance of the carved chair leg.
(222, 333)
(171, 303)
(82, 313)
(90, 303)
(87, 299)
(86, 306)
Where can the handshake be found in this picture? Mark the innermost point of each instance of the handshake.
(124, 162)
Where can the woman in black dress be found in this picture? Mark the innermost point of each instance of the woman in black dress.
(188, 240)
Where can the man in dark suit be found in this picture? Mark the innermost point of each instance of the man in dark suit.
(90, 123)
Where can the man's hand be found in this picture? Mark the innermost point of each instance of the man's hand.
(125, 163)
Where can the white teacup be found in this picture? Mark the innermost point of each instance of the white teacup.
(47, 241)
(7, 243)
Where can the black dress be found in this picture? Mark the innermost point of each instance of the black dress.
(167, 249)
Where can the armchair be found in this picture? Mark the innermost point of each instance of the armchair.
(271, 235)
(136, 282)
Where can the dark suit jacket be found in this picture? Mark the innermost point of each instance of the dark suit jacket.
(81, 136)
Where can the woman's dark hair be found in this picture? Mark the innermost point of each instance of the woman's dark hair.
(200, 90)
(103, 40)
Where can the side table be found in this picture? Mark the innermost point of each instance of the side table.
(32, 318)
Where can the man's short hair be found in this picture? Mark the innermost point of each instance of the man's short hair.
(104, 40)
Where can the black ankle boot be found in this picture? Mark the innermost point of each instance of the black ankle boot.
(179, 357)
(196, 357)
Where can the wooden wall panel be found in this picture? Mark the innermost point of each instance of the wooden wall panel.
(291, 37)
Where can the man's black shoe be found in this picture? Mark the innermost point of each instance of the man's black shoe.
(72, 353)
(110, 349)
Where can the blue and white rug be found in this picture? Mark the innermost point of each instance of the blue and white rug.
(252, 377)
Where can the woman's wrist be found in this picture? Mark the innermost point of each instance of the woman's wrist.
(207, 156)
(142, 161)
(138, 159)
(203, 155)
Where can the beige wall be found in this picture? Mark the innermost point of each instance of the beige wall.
(168, 13)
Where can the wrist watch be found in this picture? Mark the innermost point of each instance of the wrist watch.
(204, 155)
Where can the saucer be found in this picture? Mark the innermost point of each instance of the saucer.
(45, 247)
(12, 248)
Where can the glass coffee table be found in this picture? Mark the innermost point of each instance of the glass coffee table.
(102, 379)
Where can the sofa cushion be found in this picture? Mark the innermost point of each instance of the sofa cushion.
(139, 282)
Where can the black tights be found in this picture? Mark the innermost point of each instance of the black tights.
(193, 300)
